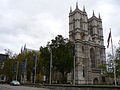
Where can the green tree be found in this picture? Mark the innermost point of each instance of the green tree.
(30, 63)
(9, 65)
(62, 56)
(45, 60)
(8, 69)
(62, 60)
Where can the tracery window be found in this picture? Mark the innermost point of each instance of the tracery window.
(81, 24)
(90, 30)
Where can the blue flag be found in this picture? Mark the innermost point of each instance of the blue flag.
(15, 66)
(35, 58)
(34, 62)
(24, 64)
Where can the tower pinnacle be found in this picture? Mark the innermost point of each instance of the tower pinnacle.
(99, 16)
(84, 8)
(77, 5)
(70, 9)
(93, 13)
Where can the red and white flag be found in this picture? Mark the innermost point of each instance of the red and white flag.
(109, 37)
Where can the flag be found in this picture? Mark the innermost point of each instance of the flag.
(35, 57)
(109, 37)
(15, 66)
(34, 63)
(24, 65)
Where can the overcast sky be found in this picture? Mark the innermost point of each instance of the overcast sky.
(35, 22)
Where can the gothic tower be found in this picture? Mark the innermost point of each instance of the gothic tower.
(87, 35)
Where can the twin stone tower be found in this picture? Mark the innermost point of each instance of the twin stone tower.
(87, 35)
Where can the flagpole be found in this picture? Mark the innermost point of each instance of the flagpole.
(113, 61)
(17, 70)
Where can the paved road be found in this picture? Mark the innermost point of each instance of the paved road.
(8, 87)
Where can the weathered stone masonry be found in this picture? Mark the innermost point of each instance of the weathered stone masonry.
(87, 34)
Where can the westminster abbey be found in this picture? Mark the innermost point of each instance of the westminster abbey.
(87, 35)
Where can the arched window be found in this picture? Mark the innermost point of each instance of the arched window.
(91, 30)
(82, 49)
(81, 24)
(92, 57)
(83, 72)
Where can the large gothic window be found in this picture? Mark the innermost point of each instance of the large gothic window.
(83, 72)
(92, 57)
(83, 49)
(81, 24)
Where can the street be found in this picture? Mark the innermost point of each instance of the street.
(8, 87)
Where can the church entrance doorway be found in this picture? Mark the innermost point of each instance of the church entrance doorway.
(95, 81)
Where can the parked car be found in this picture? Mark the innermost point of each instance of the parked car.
(15, 83)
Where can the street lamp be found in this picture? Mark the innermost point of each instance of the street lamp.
(74, 52)
(50, 50)
(35, 65)
(17, 68)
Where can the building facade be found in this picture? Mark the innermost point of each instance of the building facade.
(87, 35)
(3, 58)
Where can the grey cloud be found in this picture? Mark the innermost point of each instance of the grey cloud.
(35, 22)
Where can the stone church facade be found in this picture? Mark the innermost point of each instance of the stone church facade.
(87, 35)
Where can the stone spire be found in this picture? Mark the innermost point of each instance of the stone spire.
(84, 8)
(99, 16)
(93, 13)
(76, 5)
(70, 9)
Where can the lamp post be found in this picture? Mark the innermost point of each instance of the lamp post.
(17, 68)
(50, 50)
(35, 64)
(74, 72)
(74, 52)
